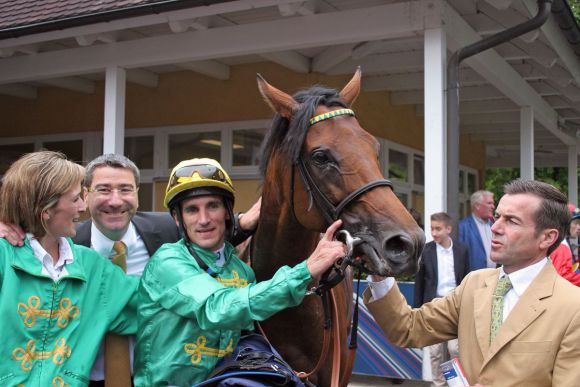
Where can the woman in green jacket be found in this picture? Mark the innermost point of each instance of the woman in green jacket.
(57, 300)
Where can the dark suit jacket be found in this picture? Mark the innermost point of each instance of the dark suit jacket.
(426, 280)
(156, 228)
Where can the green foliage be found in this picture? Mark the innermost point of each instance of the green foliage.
(575, 6)
(497, 177)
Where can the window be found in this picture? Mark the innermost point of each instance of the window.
(72, 149)
(11, 153)
(140, 150)
(194, 145)
(246, 147)
(398, 166)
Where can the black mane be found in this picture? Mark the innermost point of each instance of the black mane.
(288, 136)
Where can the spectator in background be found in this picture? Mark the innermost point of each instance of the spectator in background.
(417, 216)
(475, 230)
(444, 264)
(563, 257)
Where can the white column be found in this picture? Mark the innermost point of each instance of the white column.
(527, 143)
(573, 174)
(435, 124)
(114, 130)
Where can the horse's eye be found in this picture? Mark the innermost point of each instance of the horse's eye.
(321, 157)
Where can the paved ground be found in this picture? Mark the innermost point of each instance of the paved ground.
(374, 381)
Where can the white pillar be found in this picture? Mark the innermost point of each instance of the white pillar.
(527, 143)
(114, 130)
(435, 124)
(573, 174)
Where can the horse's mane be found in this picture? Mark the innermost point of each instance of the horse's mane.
(288, 136)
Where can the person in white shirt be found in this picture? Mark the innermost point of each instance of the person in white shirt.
(444, 264)
(518, 325)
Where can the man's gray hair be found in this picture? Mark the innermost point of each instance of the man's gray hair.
(114, 161)
(478, 197)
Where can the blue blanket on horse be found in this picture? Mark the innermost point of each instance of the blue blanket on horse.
(253, 363)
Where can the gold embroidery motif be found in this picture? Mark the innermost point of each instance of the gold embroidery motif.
(235, 281)
(65, 312)
(28, 355)
(59, 382)
(198, 350)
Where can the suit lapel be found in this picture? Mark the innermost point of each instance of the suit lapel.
(457, 265)
(475, 231)
(482, 311)
(528, 308)
(150, 237)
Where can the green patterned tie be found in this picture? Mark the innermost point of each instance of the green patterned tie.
(503, 286)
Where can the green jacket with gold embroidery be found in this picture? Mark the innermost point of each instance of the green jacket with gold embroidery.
(51, 330)
(189, 320)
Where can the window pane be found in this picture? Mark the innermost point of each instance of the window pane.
(193, 145)
(398, 166)
(11, 153)
(72, 149)
(140, 150)
(403, 197)
(247, 146)
(461, 182)
(146, 197)
(471, 186)
(419, 170)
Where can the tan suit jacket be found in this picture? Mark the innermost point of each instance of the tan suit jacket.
(538, 344)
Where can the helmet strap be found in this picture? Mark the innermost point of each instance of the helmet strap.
(187, 242)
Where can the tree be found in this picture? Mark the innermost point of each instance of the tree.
(575, 6)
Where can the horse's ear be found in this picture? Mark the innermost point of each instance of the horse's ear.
(279, 101)
(352, 88)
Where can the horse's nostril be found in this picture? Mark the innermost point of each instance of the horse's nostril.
(399, 248)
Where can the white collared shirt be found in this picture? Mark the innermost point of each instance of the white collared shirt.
(49, 268)
(485, 233)
(520, 280)
(445, 270)
(137, 254)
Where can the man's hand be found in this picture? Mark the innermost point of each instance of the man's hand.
(13, 234)
(326, 253)
(249, 220)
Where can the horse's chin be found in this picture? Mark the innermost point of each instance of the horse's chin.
(374, 263)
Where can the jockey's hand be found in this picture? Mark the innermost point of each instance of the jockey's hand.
(326, 253)
(13, 234)
(249, 220)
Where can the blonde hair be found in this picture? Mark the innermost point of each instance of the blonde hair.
(33, 184)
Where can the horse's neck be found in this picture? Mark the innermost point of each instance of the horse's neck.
(279, 240)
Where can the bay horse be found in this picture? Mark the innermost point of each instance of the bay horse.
(317, 168)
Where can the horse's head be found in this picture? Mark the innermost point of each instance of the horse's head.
(334, 164)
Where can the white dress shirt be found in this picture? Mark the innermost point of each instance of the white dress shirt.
(520, 280)
(49, 268)
(484, 228)
(445, 270)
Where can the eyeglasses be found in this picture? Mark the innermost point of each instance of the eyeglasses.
(205, 171)
(107, 191)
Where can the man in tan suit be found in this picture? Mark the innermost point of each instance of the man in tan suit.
(533, 337)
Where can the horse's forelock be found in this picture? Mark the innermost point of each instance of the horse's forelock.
(288, 136)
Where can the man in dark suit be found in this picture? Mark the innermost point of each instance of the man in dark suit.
(444, 264)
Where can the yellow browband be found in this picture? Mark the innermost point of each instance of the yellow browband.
(334, 113)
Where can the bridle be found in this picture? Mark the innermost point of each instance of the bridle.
(331, 212)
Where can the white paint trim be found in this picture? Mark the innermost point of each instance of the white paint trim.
(114, 122)
(527, 143)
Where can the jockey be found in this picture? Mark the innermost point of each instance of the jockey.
(196, 295)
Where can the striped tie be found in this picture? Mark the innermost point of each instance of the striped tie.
(503, 286)
(119, 257)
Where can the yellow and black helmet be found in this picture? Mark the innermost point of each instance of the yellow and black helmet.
(198, 177)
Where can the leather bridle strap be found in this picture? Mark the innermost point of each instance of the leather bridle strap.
(326, 207)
